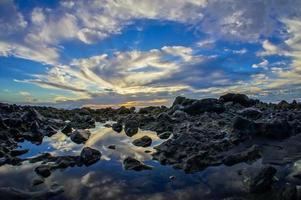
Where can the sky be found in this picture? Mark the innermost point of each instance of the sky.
(101, 53)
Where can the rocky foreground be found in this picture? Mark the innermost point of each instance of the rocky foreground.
(198, 134)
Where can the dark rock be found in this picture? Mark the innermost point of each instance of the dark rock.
(131, 127)
(18, 152)
(37, 181)
(89, 156)
(263, 181)
(199, 161)
(145, 141)
(241, 99)
(164, 135)
(43, 170)
(80, 136)
(67, 129)
(133, 164)
(252, 113)
(204, 105)
(112, 147)
(117, 127)
(251, 154)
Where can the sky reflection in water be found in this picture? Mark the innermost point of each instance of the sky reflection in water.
(107, 178)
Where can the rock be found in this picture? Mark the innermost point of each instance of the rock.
(180, 115)
(172, 177)
(89, 156)
(288, 192)
(80, 136)
(263, 181)
(199, 161)
(37, 181)
(251, 154)
(43, 170)
(133, 164)
(18, 152)
(251, 113)
(117, 127)
(204, 105)
(112, 147)
(67, 129)
(241, 99)
(145, 141)
(164, 135)
(131, 127)
(276, 129)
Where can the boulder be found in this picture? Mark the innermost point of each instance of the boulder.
(145, 141)
(89, 156)
(43, 170)
(132, 164)
(117, 127)
(67, 129)
(80, 136)
(131, 127)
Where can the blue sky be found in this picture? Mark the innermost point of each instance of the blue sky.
(146, 52)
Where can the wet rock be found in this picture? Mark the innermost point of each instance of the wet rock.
(288, 192)
(251, 154)
(241, 99)
(180, 115)
(37, 181)
(112, 147)
(199, 161)
(251, 113)
(132, 164)
(89, 156)
(80, 136)
(145, 141)
(164, 135)
(117, 127)
(43, 170)
(18, 152)
(67, 130)
(263, 181)
(131, 127)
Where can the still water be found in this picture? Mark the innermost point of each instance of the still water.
(107, 179)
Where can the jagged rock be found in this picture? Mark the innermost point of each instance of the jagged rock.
(263, 181)
(252, 113)
(89, 156)
(204, 105)
(117, 127)
(80, 136)
(241, 99)
(131, 127)
(145, 141)
(43, 170)
(133, 164)
(251, 154)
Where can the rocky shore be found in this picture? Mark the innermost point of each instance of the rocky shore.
(198, 134)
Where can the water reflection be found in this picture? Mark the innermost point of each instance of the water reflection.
(108, 180)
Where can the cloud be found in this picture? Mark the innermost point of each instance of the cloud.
(264, 64)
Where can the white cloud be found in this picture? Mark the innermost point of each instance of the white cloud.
(264, 64)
